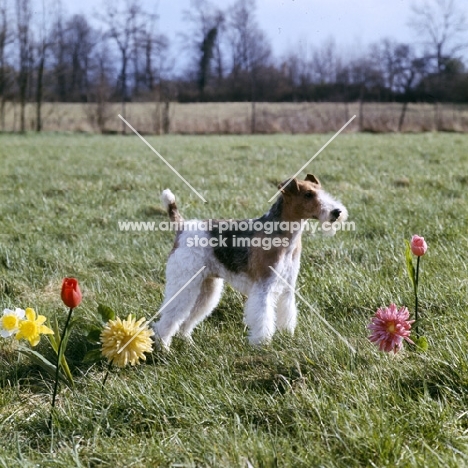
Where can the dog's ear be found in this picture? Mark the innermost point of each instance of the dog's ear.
(289, 186)
(312, 178)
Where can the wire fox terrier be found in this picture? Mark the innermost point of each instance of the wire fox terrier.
(242, 253)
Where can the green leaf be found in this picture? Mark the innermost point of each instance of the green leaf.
(65, 340)
(93, 355)
(66, 370)
(422, 343)
(106, 313)
(409, 264)
(54, 342)
(55, 338)
(63, 361)
(57, 335)
(41, 361)
(94, 335)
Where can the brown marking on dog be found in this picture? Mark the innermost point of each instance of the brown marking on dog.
(300, 199)
(313, 179)
(173, 213)
(260, 261)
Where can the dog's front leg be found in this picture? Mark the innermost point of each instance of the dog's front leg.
(259, 312)
(286, 311)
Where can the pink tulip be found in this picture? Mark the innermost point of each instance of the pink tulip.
(418, 245)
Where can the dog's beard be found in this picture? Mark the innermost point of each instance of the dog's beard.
(329, 226)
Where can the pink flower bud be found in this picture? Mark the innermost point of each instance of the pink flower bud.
(418, 245)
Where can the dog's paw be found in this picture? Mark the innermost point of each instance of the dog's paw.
(158, 342)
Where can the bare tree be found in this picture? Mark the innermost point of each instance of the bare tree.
(70, 47)
(364, 74)
(203, 41)
(149, 55)
(58, 50)
(153, 48)
(123, 26)
(251, 51)
(386, 58)
(42, 45)
(23, 24)
(100, 89)
(442, 26)
(81, 38)
(297, 69)
(412, 70)
(325, 62)
(6, 38)
(404, 69)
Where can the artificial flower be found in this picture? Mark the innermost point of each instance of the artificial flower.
(10, 321)
(32, 328)
(125, 341)
(390, 327)
(71, 294)
(418, 245)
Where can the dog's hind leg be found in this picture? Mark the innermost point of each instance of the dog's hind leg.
(207, 300)
(175, 312)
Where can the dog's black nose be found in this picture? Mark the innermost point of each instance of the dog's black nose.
(336, 213)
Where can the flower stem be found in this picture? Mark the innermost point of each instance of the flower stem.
(104, 380)
(416, 298)
(59, 351)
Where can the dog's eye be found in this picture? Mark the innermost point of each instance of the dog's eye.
(309, 195)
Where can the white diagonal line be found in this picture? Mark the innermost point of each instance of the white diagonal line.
(142, 327)
(314, 156)
(164, 161)
(312, 309)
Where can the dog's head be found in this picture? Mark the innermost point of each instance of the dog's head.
(305, 199)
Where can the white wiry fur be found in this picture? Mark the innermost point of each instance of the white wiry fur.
(270, 304)
(167, 197)
(197, 300)
(329, 203)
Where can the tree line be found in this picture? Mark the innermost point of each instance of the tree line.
(118, 55)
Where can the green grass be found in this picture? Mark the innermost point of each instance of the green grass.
(303, 400)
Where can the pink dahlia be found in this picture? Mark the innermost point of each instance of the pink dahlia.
(389, 327)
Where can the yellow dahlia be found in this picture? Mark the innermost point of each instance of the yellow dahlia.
(32, 328)
(128, 337)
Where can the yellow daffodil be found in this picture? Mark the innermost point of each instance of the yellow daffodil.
(128, 337)
(32, 328)
(10, 321)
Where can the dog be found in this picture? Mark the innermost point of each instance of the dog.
(259, 257)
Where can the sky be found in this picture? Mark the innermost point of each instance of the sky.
(288, 22)
(353, 24)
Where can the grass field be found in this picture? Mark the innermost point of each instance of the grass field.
(302, 401)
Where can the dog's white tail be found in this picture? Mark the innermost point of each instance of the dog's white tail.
(169, 202)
